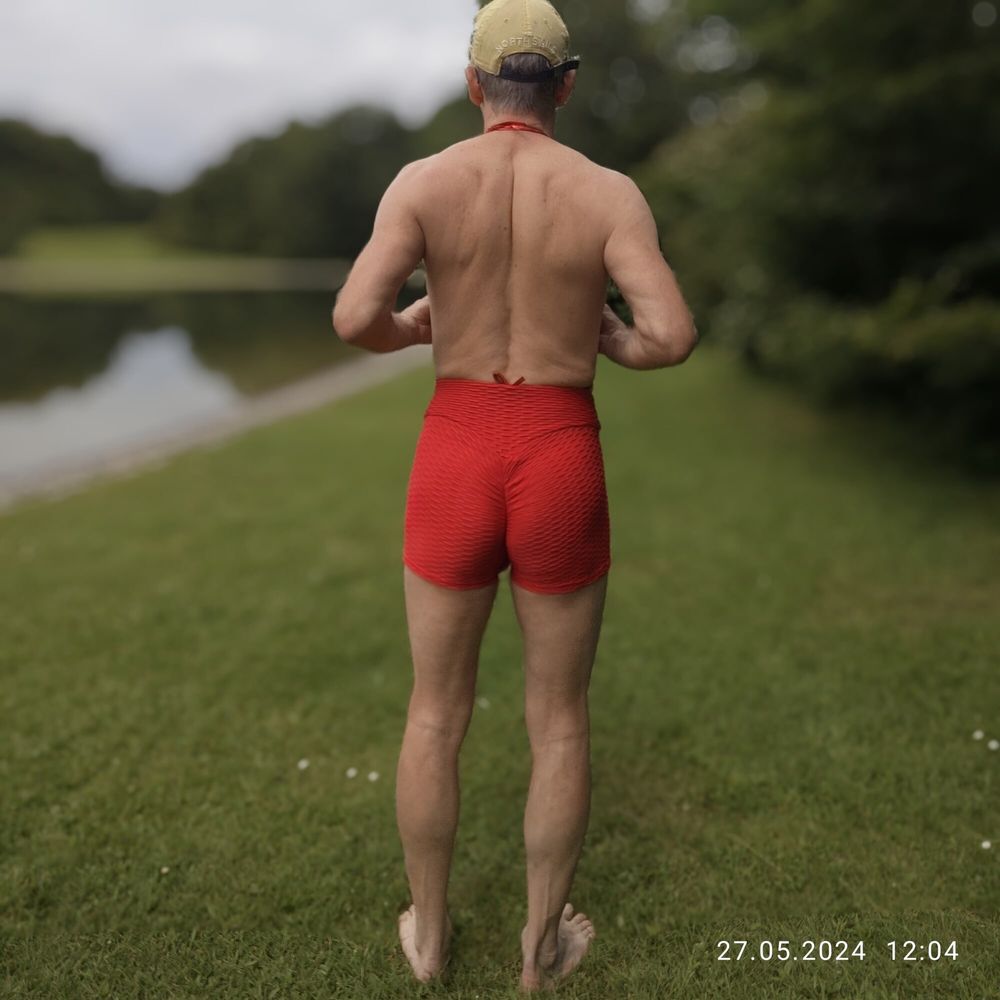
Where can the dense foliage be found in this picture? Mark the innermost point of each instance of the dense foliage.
(310, 191)
(841, 227)
(51, 179)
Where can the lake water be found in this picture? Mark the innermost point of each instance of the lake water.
(84, 378)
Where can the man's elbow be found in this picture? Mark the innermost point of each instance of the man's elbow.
(347, 325)
(675, 344)
(684, 341)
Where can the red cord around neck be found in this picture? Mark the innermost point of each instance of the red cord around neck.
(516, 127)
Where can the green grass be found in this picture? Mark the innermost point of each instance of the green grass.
(801, 635)
(132, 241)
(126, 259)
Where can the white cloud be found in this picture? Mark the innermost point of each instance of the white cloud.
(163, 87)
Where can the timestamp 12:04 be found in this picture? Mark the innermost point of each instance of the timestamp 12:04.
(920, 951)
(739, 950)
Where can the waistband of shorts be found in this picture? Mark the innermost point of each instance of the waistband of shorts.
(456, 384)
(471, 397)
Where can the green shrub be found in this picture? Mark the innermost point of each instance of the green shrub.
(933, 362)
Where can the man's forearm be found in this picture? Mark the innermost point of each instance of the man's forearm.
(388, 331)
(623, 348)
(628, 347)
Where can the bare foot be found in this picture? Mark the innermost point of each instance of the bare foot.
(427, 968)
(574, 936)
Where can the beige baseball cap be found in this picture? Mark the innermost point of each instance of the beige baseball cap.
(505, 27)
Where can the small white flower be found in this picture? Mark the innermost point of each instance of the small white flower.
(164, 869)
(483, 702)
(373, 775)
(986, 845)
(304, 763)
(994, 744)
(352, 772)
(978, 734)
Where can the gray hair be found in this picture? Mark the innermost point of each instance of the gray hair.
(514, 95)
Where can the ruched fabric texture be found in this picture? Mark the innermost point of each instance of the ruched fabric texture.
(508, 474)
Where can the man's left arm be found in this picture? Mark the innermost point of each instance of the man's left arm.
(363, 314)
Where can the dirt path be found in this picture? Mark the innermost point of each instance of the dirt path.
(353, 376)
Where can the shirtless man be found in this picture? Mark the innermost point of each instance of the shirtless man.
(519, 235)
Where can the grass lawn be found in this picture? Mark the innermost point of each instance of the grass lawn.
(120, 241)
(129, 259)
(801, 636)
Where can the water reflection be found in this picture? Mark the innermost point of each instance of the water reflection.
(258, 340)
(82, 377)
(154, 383)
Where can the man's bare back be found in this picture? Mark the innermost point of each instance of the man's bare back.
(519, 235)
(515, 225)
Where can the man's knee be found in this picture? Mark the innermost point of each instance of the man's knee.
(549, 721)
(446, 725)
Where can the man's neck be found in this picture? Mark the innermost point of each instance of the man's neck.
(491, 118)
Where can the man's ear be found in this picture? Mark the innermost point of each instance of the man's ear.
(475, 91)
(565, 88)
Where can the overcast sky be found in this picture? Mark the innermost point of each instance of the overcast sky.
(162, 87)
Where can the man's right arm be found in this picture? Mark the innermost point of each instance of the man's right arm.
(663, 331)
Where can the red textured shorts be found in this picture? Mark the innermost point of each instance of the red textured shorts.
(508, 474)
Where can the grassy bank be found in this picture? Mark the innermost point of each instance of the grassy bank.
(129, 259)
(800, 639)
(131, 241)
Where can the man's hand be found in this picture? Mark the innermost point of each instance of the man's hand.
(415, 320)
(613, 330)
(623, 345)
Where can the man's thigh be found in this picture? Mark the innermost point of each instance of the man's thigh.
(561, 633)
(446, 628)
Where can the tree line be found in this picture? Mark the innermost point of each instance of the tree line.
(54, 180)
